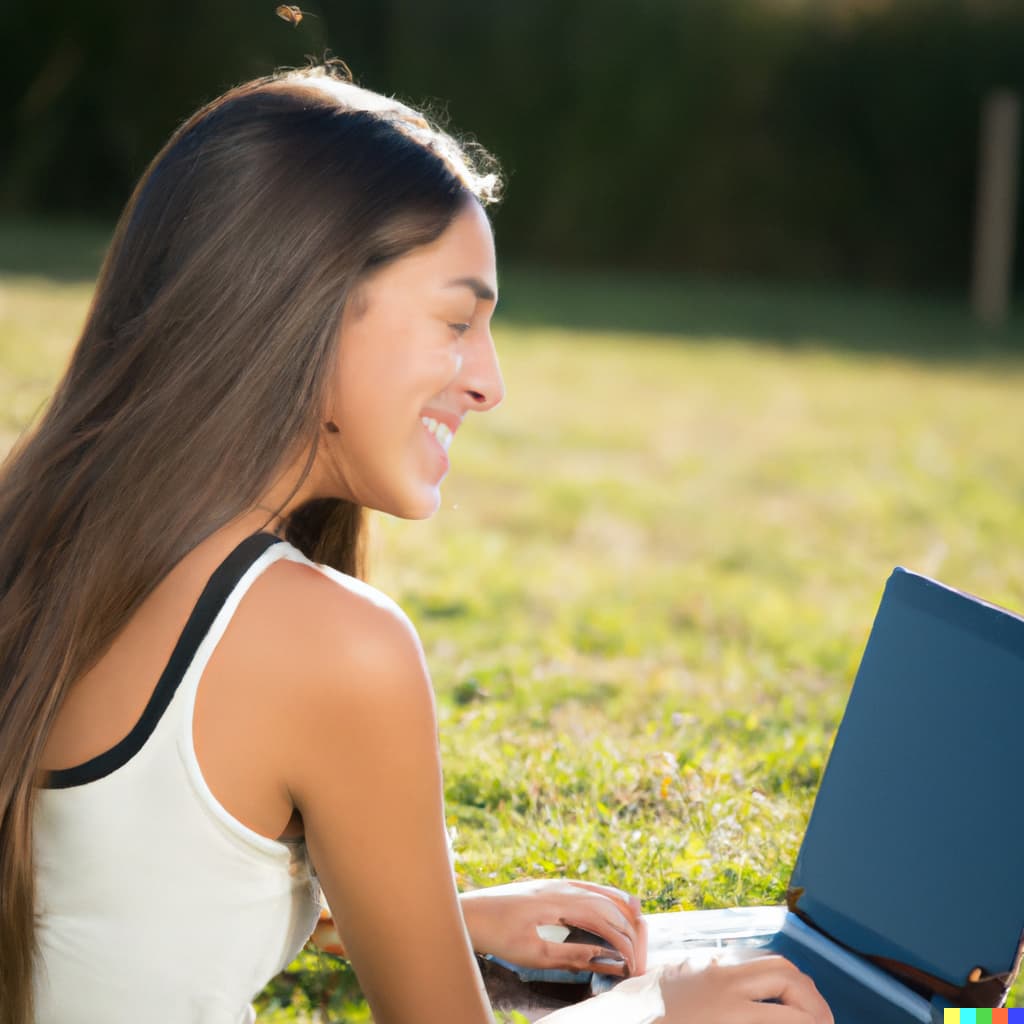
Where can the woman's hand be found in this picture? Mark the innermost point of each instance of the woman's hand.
(502, 920)
(718, 994)
(736, 994)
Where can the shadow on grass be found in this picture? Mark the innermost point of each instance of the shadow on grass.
(908, 325)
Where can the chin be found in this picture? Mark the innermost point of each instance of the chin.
(419, 506)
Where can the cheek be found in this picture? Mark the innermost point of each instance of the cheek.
(442, 364)
(417, 371)
(386, 370)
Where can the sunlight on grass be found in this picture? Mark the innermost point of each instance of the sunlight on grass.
(649, 586)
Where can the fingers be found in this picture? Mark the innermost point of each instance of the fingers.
(615, 916)
(774, 977)
(740, 991)
(579, 957)
(630, 905)
(626, 900)
(607, 913)
(617, 932)
(640, 945)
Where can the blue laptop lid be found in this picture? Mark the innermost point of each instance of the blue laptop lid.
(915, 847)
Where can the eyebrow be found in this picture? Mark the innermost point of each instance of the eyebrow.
(478, 288)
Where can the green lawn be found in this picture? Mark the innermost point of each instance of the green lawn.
(656, 564)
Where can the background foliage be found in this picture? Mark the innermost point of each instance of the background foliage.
(825, 138)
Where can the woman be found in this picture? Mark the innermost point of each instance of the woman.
(291, 324)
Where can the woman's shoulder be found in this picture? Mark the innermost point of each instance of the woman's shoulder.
(330, 626)
(348, 591)
(319, 660)
(345, 680)
(323, 591)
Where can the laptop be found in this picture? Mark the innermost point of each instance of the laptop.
(908, 892)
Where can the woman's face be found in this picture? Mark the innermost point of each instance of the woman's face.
(415, 355)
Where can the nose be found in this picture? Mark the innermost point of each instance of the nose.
(481, 375)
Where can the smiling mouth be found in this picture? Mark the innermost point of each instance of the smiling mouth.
(441, 431)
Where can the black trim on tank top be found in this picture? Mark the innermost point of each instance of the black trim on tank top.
(216, 592)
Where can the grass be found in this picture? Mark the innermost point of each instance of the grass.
(656, 564)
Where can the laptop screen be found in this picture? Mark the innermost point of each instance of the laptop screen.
(914, 846)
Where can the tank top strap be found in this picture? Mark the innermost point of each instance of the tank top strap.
(217, 593)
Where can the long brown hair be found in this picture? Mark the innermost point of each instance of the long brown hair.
(199, 373)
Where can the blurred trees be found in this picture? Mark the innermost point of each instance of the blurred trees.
(795, 137)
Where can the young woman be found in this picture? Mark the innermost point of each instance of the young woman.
(204, 714)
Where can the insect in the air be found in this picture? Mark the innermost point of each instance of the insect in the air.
(289, 13)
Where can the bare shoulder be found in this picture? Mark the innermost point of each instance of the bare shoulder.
(334, 677)
(317, 677)
(333, 631)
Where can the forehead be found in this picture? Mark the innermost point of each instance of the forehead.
(464, 250)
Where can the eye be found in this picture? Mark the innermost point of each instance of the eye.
(459, 329)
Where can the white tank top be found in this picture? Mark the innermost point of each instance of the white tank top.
(154, 903)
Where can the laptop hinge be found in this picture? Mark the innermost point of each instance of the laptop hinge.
(982, 988)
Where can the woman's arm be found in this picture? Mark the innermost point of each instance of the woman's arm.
(359, 756)
(361, 762)
(503, 920)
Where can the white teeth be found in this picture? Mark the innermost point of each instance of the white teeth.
(441, 431)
